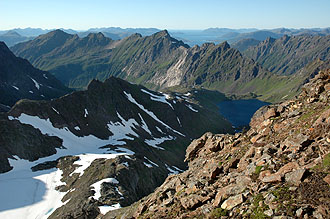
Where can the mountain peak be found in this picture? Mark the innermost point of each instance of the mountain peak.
(12, 33)
(163, 33)
(224, 45)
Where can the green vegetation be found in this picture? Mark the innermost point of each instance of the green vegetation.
(218, 212)
(258, 169)
(257, 209)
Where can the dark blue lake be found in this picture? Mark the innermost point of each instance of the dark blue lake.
(240, 112)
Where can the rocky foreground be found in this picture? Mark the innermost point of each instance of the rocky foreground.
(277, 169)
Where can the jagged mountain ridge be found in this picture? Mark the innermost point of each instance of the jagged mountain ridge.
(113, 130)
(278, 168)
(289, 54)
(156, 61)
(19, 79)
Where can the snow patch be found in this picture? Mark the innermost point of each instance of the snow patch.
(77, 128)
(179, 121)
(45, 76)
(105, 208)
(122, 129)
(36, 84)
(86, 113)
(15, 87)
(55, 111)
(97, 186)
(172, 171)
(132, 100)
(191, 108)
(30, 91)
(155, 97)
(158, 129)
(151, 162)
(157, 141)
(144, 125)
(147, 165)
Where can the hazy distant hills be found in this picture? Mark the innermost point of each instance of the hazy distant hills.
(19, 80)
(12, 37)
(190, 37)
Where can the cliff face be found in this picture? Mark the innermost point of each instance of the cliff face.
(279, 167)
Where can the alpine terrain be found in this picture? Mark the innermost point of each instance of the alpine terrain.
(92, 151)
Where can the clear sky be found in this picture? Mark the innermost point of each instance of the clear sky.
(164, 14)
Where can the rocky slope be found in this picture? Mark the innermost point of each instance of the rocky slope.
(244, 44)
(277, 169)
(19, 79)
(112, 144)
(287, 55)
(157, 61)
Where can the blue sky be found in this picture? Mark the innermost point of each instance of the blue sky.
(164, 14)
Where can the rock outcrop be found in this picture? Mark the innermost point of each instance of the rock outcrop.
(277, 169)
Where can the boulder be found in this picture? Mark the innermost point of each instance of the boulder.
(295, 177)
(232, 202)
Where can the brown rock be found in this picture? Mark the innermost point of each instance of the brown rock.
(215, 172)
(273, 178)
(270, 113)
(195, 146)
(190, 202)
(323, 119)
(232, 202)
(263, 174)
(327, 179)
(287, 168)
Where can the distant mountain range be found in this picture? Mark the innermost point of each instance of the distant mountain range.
(20, 80)
(285, 56)
(160, 61)
(190, 37)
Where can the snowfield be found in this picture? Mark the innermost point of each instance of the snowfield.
(27, 194)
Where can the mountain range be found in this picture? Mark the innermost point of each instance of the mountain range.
(160, 61)
(94, 150)
(190, 37)
(20, 80)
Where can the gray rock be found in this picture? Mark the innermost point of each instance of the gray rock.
(295, 177)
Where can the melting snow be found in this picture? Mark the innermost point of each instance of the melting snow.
(156, 141)
(190, 107)
(55, 110)
(36, 84)
(131, 99)
(97, 186)
(148, 165)
(172, 171)
(15, 87)
(105, 208)
(27, 194)
(157, 98)
(179, 121)
(144, 125)
(151, 162)
(122, 129)
(125, 164)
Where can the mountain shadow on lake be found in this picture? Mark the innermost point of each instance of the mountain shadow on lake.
(240, 112)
